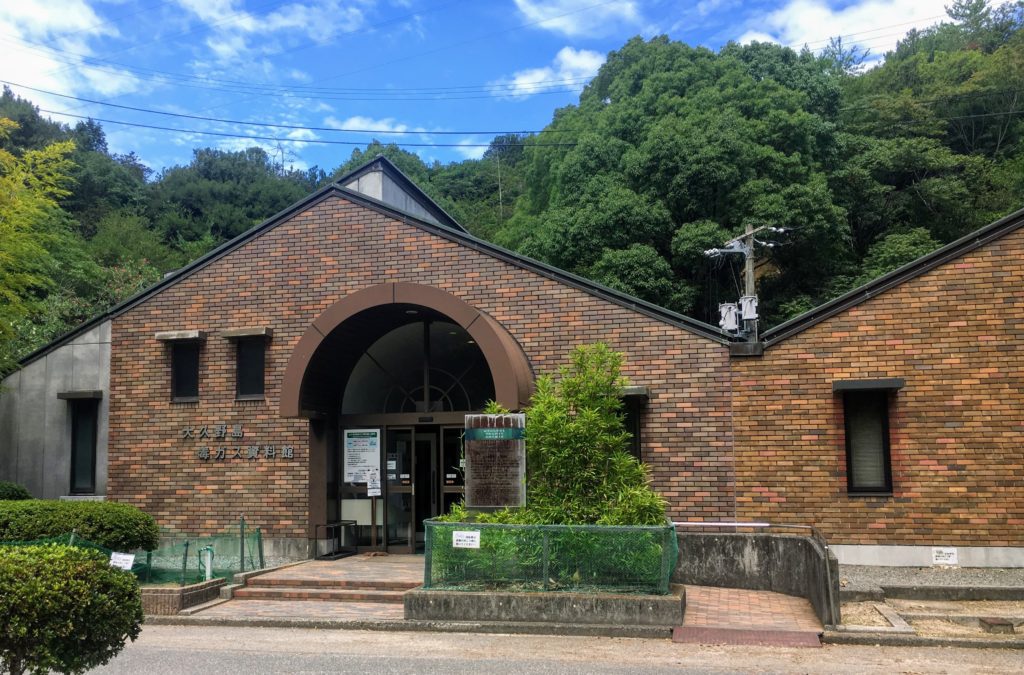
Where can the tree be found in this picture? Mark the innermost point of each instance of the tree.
(29, 189)
(63, 608)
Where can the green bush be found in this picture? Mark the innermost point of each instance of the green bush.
(578, 469)
(13, 491)
(119, 527)
(63, 608)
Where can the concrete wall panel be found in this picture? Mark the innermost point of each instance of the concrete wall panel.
(57, 433)
(9, 426)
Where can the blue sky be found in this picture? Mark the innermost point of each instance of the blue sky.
(421, 66)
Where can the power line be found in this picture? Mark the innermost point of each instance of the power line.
(942, 99)
(278, 139)
(276, 125)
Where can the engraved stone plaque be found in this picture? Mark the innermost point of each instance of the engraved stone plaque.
(495, 449)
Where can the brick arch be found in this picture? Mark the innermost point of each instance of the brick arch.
(509, 366)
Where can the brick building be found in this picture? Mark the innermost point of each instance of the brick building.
(246, 382)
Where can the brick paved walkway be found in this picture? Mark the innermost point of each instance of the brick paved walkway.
(304, 609)
(707, 606)
(734, 616)
(362, 571)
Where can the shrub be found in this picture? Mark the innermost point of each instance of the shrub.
(63, 608)
(119, 527)
(13, 491)
(578, 469)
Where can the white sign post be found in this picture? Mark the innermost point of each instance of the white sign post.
(122, 561)
(362, 454)
(373, 484)
(466, 539)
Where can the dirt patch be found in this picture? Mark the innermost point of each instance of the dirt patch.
(938, 628)
(960, 607)
(862, 614)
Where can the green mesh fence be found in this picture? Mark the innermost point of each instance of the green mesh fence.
(182, 559)
(549, 557)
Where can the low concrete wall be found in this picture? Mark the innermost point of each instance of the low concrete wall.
(783, 563)
(554, 607)
(171, 600)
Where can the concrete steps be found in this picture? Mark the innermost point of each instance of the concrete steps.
(295, 592)
(347, 584)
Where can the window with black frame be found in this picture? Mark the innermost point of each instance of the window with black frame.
(866, 408)
(185, 371)
(84, 418)
(250, 368)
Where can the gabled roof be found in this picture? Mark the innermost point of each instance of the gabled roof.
(924, 264)
(451, 232)
(380, 179)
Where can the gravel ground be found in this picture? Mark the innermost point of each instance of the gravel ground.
(865, 578)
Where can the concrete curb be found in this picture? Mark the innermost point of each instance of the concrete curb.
(954, 592)
(522, 628)
(904, 640)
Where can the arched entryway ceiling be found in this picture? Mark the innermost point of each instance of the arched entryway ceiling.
(510, 369)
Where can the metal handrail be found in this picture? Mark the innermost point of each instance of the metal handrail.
(816, 536)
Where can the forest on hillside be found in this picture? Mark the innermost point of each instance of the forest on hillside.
(671, 150)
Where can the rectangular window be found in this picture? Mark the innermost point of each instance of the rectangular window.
(631, 410)
(84, 416)
(868, 469)
(185, 371)
(250, 365)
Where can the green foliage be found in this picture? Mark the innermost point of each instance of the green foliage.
(553, 558)
(119, 527)
(640, 271)
(13, 491)
(578, 469)
(63, 609)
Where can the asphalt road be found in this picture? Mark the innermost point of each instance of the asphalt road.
(209, 650)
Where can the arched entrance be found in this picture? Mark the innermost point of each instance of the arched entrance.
(386, 377)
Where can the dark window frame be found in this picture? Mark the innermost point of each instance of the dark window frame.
(174, 348)
(241, 344)
(884, 399)
(76, 407)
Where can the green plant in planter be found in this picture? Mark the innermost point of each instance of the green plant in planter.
(578, 468)
(63, 608)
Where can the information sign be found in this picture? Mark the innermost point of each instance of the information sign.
(373, 484)
(122, 561)
(944, 556)
(362, 454)
(465, 539)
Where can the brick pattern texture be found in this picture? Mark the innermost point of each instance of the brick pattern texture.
(285, 278)
(957, 447)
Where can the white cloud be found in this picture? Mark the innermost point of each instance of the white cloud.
(568, 70)
(470, 149)
(238, 35)
(32, 32)
(580, 18)
(871, 24)
(386, 126)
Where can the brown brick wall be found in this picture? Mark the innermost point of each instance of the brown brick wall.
(286, 277)
(954, 334)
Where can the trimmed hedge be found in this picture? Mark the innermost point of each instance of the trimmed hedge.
(119, 527)
(13, 491)
(63, 608)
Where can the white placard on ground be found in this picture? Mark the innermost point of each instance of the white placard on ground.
(122, 561)
(944, 556)
(465, 539)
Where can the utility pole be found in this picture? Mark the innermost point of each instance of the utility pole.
(746, 309)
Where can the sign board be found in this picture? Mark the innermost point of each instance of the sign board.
(122, 561)
(944, 556)
(362, 454)
(495, 456)
(465, 539)
(373, 484)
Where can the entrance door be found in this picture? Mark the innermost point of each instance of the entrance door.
(426, 486)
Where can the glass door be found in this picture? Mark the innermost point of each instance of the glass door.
(400, 489)
(426, 490)
(453, 467)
